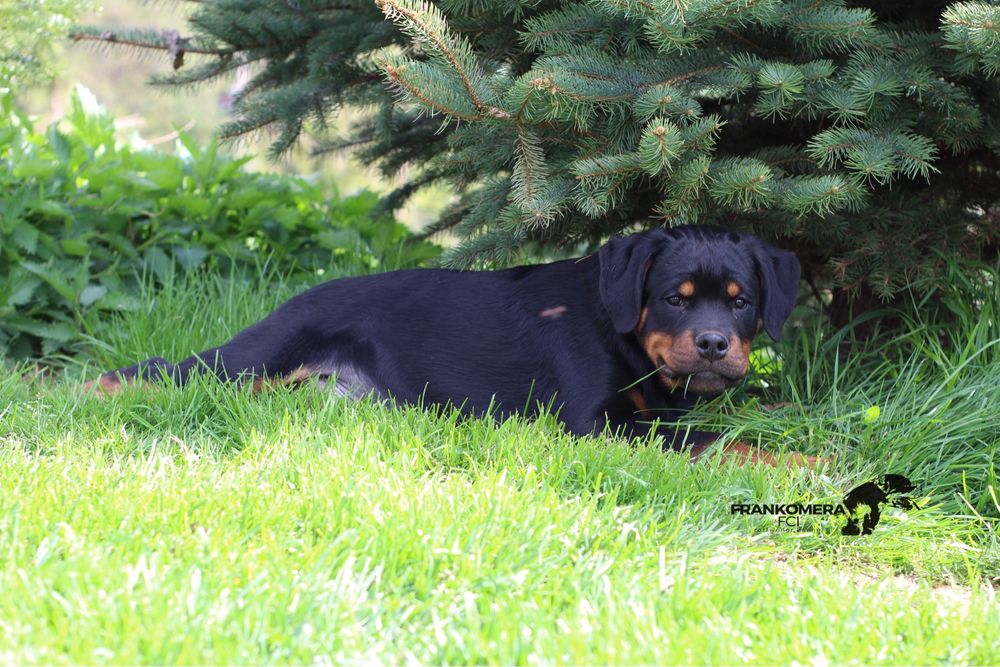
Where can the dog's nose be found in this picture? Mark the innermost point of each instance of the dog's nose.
(711, 345)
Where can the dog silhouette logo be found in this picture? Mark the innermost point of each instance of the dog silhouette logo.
(884, 490)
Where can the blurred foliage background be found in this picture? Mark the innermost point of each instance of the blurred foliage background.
(44, 83)
(106, 183)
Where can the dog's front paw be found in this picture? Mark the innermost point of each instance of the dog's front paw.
(106, 385)
(744, 454)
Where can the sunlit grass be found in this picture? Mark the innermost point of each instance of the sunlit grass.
(206, 525)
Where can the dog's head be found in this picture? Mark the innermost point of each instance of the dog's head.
(695, 297)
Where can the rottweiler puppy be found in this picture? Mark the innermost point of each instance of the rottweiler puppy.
(628, 338)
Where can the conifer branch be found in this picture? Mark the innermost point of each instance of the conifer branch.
(395, 74)
(528, 164)
(394, 10)
(150, 41)
(682, 78)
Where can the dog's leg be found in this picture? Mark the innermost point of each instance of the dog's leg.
(701, 444)
(252, 356)
(151, 369)
(745, 454)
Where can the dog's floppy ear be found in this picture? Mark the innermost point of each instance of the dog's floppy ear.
(623, 271)
(779, 273)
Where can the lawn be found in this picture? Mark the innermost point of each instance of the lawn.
(207, 525)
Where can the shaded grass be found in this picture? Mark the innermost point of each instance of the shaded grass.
(204, 525)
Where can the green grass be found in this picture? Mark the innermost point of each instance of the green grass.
(206, 525)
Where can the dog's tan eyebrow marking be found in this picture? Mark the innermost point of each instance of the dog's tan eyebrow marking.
(686, 289)
(733, 289)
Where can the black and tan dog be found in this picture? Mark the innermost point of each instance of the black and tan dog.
(636, 332)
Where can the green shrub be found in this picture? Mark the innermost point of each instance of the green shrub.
(82, 215)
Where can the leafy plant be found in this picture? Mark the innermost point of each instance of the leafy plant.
(83, 214)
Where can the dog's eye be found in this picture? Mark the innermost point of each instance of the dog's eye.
(740, 303)
(674, 300)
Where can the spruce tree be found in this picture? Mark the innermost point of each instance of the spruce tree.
(863, 136)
